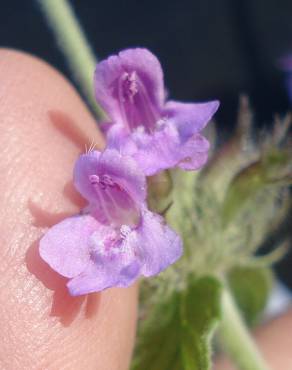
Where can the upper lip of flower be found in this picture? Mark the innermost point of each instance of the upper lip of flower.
(114, 186)
(130, 88)
(136, 107)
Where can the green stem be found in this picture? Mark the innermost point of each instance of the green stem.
(74, 45)
(236, 339)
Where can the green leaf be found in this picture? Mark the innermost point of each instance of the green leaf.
(200, 312)
(158, 338)
(245, 185)
(195, 351)
(251, 288)
(178, 333)
(273, 170)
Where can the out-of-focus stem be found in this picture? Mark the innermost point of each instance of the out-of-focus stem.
(74, 45)
(235, 338)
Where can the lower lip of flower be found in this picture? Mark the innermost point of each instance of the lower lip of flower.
(108, 242)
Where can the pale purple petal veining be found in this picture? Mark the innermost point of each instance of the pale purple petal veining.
(129, 86)
(160, 244)
(113, 184)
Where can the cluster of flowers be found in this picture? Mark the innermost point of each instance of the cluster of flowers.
(116, 238)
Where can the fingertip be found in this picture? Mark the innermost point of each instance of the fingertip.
(44, 127)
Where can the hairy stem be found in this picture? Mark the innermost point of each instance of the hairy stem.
(74, 45)
(236, 339)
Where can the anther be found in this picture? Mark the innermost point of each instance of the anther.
(130, 85)
(94, 179)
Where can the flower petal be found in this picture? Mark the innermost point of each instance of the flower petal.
(119, 267)
(99, 277)
(117, 137)
(148, 250)
(85, 166)
(156, 152)
(165, 149)
(190, 118)
(148, 67)
(140, 65)
(65, 246)
(160, 244)
(194, 153)
(123, 169)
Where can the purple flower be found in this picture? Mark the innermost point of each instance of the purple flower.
(116, 238)
(156, 133)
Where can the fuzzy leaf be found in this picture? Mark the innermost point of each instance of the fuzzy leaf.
(272, 170)
(251, 288)
(158, 344)
(201, 310)
(245, 185)
(177, 335)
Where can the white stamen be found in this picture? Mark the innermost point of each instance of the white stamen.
(125, 230)
(139, 130)
(94, 179)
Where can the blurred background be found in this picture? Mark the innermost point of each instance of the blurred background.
(208, 49)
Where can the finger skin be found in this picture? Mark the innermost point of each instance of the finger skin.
(274, 341)
(44, 125)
